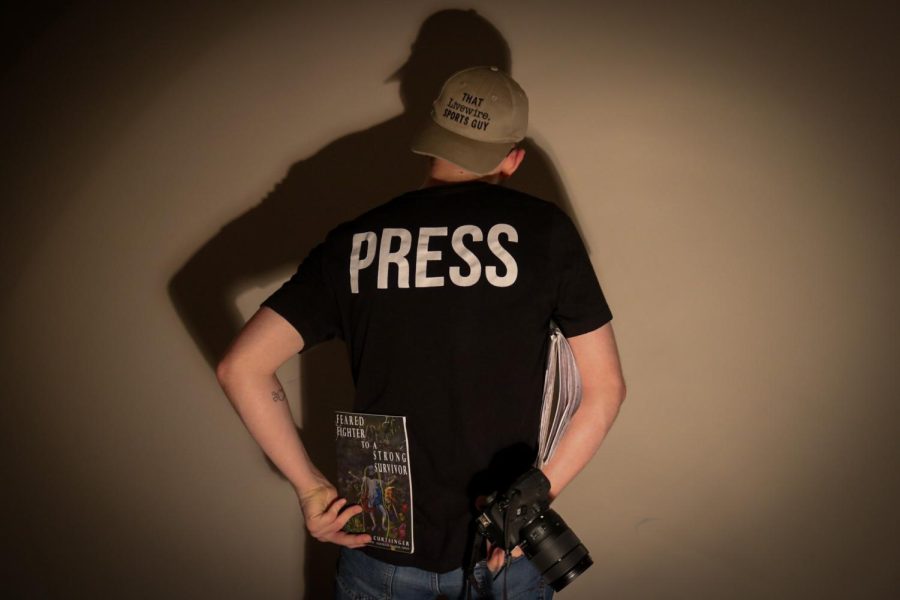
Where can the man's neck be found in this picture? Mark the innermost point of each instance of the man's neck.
(442, 172)
(431, 180)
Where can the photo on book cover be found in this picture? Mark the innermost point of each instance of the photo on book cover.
(373, 471)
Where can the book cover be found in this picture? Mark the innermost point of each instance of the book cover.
(373, 470)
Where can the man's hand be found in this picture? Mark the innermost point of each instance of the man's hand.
(322, 512)
(496, 556)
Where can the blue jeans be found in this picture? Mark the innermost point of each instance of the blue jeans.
(361, 577)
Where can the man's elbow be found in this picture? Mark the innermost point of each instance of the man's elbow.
(231, 367)
(238, 366)
(224, 370)
(610, 392)
(621, 390)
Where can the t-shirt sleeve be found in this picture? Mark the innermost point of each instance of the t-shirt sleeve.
(580, 304)
(308, 302)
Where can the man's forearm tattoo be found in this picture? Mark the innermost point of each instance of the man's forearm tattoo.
(279, 395)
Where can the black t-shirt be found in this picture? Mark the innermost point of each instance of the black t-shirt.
(444, 297)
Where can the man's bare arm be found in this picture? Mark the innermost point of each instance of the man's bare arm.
(247, 375)
(603, 388)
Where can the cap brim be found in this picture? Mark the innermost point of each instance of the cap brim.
(478, 157)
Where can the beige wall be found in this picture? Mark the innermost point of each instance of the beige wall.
(734, 173)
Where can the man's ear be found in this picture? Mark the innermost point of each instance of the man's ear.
(512, 162)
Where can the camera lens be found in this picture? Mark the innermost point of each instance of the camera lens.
(554, 549)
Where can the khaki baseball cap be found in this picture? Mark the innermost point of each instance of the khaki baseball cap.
(475, 121)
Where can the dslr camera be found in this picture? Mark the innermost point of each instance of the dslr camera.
(521, 516)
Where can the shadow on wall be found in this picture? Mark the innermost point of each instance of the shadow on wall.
(346, 178)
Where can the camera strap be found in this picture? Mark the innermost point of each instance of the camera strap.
(479, 551)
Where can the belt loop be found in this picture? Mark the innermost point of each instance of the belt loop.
(388, 576)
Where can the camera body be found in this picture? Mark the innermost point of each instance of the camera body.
(521, 516)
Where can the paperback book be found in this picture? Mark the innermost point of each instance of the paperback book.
(373, 470)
